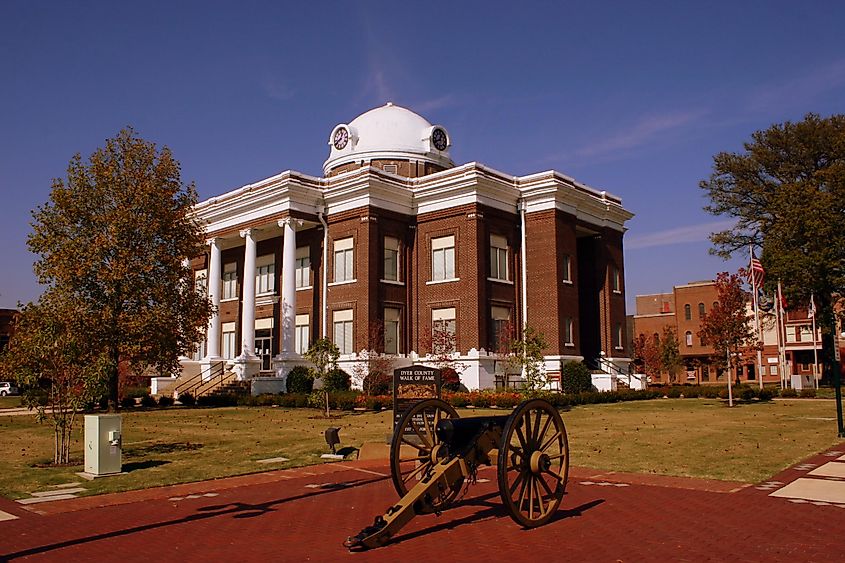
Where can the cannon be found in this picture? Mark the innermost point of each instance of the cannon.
(434, 454)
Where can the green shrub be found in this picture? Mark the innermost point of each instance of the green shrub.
(344, 400)
(337, 380)
(765, 394)
(148, 401)
(575, 378)
(218, 400)
(807, 393)
(300, 380)
(745, 392)
(711, 391)
(165, 401)
(127, 402)
(135, 392)
(788, 393)
(479, 399)
(692, 392)
(187, 399)
(673, 392)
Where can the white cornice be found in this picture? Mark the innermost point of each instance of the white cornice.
(471, 183)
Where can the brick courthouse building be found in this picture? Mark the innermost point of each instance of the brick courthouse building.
(396, 236)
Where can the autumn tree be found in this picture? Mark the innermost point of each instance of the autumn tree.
(113, 240)
(670, 354)
(442, 344)
(647, 356)
(374, 371)
(55, 366)
(726, 326)
(526, 353)
(786, 190)
(323, 353)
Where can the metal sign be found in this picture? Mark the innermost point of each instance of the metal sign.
(412, 385)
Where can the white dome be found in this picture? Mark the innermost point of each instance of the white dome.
(388, 132)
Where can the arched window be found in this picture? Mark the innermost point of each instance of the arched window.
(689, 338)
(687, 312)
(701, 310)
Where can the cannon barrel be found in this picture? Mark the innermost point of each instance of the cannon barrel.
(459, 434)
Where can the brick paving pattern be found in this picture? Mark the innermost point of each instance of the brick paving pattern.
(304, 515)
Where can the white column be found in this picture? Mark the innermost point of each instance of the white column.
(248, 303)
(213, 345)
(288, 288)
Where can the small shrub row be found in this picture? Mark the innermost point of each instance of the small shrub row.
(510, 399)
(742, 392)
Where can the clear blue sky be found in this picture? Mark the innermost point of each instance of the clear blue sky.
(631, 97)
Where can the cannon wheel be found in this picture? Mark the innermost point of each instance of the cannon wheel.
(407, 468)
(533, 463)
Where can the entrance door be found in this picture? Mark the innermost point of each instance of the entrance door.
(264, 348)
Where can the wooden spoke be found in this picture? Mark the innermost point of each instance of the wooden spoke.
(545, 485)
(432, 437)
(417, 432)
(531, 498)
(520, 437)
(550, 441)
(418, 458)
(416, 471)
(539, 496)
(545, 429)
(558, 456)
(535, 434)
(553, 474)
(519, 478)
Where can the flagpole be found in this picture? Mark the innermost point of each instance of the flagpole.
(815, 346)
(779, 321)
(756, 318)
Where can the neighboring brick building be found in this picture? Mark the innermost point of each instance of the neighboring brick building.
(7, 326)
(683, 310)
(413, 242)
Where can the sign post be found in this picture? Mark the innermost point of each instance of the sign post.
(412, 385)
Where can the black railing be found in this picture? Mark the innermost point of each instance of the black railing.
(204, 382)
(620, 371)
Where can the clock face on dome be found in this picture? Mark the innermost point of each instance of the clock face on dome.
(341, 138)
(438, 139)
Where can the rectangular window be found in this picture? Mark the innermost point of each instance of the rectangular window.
(443, 330)
(567, 332)
(229, 350)
(790, 334)
(391, 330)
(500, 325)
(615, 280)
(498, 257)
(391, 258)
(567, 268)
(443, 258)
(343, 254)
(230, 281)
(201, 282)
(805, 333)
(343, 330)
(265, 274)
(688, 338)
(619, 336)
(303, 267)
(302, 335)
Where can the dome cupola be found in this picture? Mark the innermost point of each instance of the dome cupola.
(387, 136)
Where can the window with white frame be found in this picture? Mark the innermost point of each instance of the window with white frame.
(688, 337)
(443, 258)
(391, 330)
(567, 332)
(302, 334)
(500, 328)
(229, 349)
(790, 334)
(619, 336)
(567, 268)
(230, 281)
(443, 330)
(201, 282)
(343, 330)
(498, 257)
(265, 274)
(391, 258)
(303, 267)
(343, 260)
(615, 280)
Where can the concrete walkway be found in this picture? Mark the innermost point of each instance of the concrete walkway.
(305, 514)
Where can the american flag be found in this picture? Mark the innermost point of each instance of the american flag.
(757, 273)
(811, 310)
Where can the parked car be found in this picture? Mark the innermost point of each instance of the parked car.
(7, 388)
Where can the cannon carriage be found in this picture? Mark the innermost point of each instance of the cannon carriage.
(435, 454)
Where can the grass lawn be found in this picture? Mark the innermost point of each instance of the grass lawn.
(10, 402)
(688, 437)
